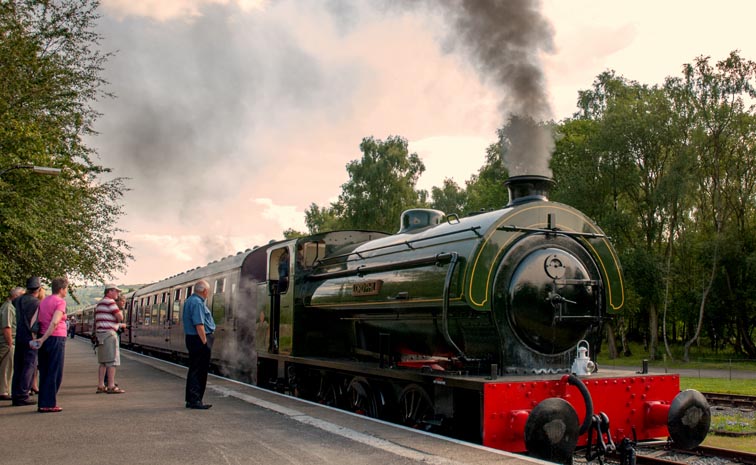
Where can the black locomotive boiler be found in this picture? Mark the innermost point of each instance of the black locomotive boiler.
(480, 327)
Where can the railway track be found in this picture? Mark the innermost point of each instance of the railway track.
(662, 453)
(702, 455)
(730, 400)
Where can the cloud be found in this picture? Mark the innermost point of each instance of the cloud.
(442, 156)
(285, 216)
(163, 255)
(165, 10)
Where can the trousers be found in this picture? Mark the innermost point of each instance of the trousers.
(24, 366)
(199, 365)
(51, 356)
(6, 368)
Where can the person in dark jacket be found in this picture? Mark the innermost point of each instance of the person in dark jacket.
(25, 358)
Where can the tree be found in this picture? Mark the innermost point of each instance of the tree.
(627, 144)
(721, 134)
(292, 233)
(668, 171)
(449, 198)
(381, 185)
(486, 190)
(50, 75)
(321, 219)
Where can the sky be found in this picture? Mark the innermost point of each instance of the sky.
(231, 117)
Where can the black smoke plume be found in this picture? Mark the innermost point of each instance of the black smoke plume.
(505, 38)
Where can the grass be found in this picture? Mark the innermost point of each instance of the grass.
(745, 444)
(699, 358)
(733, 424)
(745, 387)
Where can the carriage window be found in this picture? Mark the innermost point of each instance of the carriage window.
(175, 306)
(137, 313)
(218, 306)
(175, 312)
(188, 291)
(162, 312)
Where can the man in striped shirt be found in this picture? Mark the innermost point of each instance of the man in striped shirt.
(108, 319)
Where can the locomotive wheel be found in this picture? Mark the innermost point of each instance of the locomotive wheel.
(416, 408)
(689, 419)
(329, 393)
(551, 432)
(361, 398)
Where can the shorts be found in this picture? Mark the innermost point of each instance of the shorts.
(108, 352)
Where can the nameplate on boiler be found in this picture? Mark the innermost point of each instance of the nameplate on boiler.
(367, 287)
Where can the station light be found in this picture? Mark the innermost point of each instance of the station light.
(37, 169)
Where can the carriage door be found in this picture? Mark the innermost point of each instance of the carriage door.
(279, 268)
(164, 328)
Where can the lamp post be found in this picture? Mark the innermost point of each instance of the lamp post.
(37, 169)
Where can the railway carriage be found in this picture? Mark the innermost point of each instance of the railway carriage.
(479, 327)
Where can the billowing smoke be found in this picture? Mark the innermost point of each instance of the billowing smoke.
(504, 39)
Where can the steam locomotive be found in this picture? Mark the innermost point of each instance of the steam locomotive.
(479, 327)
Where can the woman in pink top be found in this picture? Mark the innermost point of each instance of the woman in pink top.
(52, 345)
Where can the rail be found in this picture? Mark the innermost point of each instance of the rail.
(437, 259)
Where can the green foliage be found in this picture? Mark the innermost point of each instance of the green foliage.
(450, 198)
(49, 77)
(485, 190)
(381, 185)
(668, 172)
(293, 234)
(321, 219)
(722, 385)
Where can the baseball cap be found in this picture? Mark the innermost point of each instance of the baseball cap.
(33, 283)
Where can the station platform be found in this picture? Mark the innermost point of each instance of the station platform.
(150, 425)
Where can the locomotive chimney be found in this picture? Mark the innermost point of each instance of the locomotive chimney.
(528, 188)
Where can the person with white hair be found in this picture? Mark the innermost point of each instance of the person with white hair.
(198, 330)
(8, 328)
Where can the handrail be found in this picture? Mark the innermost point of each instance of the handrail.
(445, 307)
(437, 259)
(551, 231)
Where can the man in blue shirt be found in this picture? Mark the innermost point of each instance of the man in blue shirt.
(198, 329)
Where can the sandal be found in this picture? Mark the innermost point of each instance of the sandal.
(100, 390)
(115, 390)
(49, 409)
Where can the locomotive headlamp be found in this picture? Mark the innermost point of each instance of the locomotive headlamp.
(583, 365)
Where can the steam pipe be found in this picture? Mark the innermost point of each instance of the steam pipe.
(445, 311)
(575, 381)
